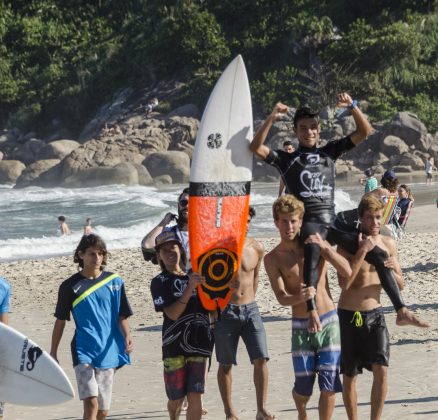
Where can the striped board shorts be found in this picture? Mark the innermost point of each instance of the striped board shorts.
(318, 353)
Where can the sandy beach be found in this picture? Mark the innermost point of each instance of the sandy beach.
(139, 389)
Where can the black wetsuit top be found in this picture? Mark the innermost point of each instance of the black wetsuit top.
(309, 174)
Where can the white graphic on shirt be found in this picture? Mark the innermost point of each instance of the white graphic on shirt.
(159, 301)
(180, 286)
(312, 159)
(313, 182)
(114, 287)
(76, 289)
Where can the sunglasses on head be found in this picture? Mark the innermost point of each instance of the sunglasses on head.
(183, 202)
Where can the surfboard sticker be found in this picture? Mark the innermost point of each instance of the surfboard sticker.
(29, 375)
(220, 181)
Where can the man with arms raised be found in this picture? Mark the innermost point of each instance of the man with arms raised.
(241, 318)
(364, 336)
(309, 174)
(312, 353)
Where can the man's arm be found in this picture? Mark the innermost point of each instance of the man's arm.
(284, 298)
(4, 318)
(148, 241)
(363, 127)
(280, 187)
(126, 331)
(58, 330)
(257, 145)
(392, 262)
(259, 248)
(176, 309)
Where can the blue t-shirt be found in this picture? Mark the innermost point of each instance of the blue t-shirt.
(96, 305)
(5, 295)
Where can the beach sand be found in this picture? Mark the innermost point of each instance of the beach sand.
(139, 390)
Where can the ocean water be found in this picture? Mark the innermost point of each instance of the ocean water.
(121, 215)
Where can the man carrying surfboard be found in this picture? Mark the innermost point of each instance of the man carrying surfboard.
(312, 353)
(102, 340)
(5, 296)
(309, 174)
(241, 318)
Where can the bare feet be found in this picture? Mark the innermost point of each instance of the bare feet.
(231, 417)
(406, 317)
(264, 415)
(314, 324)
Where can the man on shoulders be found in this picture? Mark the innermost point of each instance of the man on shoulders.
(364, 336)
(315, 353)
(241, 318)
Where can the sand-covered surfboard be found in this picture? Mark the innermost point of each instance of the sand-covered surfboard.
(220, 180)
(29, 375)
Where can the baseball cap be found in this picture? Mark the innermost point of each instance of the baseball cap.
(166, 236)
(390, 174)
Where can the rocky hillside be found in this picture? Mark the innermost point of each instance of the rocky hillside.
(124, 144)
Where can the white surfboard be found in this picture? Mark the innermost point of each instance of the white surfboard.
(220, 183)
(29, 375)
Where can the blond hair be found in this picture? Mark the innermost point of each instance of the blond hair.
(287, 204)
(370, 202)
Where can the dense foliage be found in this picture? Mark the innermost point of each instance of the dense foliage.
(63, 58)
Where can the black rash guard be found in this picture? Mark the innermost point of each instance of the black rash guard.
(309, 174)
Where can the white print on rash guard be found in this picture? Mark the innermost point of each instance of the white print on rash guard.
(313, 182)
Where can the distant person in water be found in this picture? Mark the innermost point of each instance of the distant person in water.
(428, 166)
(87, 227)
(63, 226)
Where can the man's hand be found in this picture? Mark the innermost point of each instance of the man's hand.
(279, 111)
(195, 279)
(307, 293)
(168, 217)
(234, 282)
(366, 243)
(316, 239)
(390, 263)
(314, 324)
(343, 100)
(129, 345)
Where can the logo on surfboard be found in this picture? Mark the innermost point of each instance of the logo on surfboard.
(32, 355)
(214, 141)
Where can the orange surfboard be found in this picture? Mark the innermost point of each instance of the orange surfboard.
(220, 182)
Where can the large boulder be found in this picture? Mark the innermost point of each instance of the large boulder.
(410, 129)
(31, 174)
(393, 145)
(189, 110)
(27, 152)
(58, 149)
(173, 163)
(124, 173)
(10, 170)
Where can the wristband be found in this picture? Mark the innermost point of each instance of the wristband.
(353, 104)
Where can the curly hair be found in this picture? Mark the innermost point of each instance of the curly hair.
(288, 204)
(90, 241)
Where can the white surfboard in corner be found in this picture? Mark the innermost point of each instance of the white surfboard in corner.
(28, 374)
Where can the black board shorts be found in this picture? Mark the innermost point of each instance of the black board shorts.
(364, 340)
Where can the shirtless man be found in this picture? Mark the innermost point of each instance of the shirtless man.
(241, 318)
(63, 226)
(312, 353)
(364, 336)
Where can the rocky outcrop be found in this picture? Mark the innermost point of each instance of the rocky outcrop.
(173, 163)
(58, 149)
(10, 170)
(34, 171)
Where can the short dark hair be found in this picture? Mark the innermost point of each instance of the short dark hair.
(287, 143)
(90, 241)
(61, 218)
(184, 192)
(305, 112)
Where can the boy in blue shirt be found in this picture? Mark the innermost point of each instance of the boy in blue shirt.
(102, 340)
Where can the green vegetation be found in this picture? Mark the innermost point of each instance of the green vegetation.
(63, 58)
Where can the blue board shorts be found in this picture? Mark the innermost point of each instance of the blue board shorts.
(240, 321)
(318, 353)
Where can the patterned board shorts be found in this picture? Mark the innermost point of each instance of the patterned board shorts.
(318, 353)
(183, 375)
(94, 382)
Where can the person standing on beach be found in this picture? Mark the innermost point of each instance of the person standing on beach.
(428, 166)
(370, 181)
(241, 318)
(63, 226)
(5, 296)
(102, 341)
(288, 147)
(364, 335)
(87, 227)
(312, 353)
(309, 174)
(187, 340)
(181, 229)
